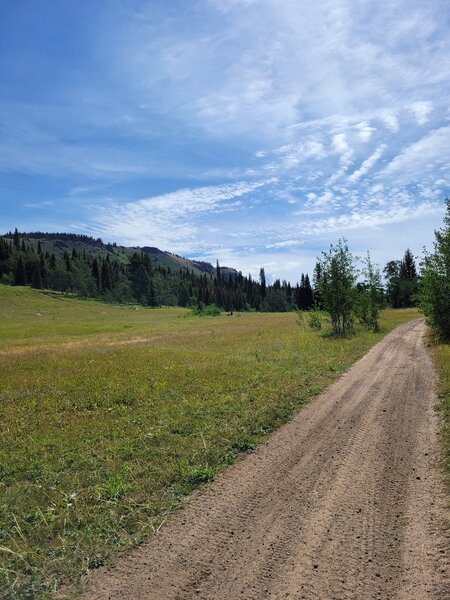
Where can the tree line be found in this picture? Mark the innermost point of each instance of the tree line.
(100, 273)
(346, 299)
(346, 292)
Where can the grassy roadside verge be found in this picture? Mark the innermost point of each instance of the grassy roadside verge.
(109, 415)
(441, 357)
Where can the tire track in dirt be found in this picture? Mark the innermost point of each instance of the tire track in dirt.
(344, 502)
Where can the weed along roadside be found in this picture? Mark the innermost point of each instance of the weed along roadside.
(110, 415)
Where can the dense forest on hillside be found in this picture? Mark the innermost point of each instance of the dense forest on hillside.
(85, 266)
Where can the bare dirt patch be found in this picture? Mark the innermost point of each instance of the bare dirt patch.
(346, 501)
(79, 344)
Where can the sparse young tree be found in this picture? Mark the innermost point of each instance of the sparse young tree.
(370, 297)
(434, 294)
(392, 274)
(317, 276)
(337, 287)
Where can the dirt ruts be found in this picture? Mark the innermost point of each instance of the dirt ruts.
(343, 502)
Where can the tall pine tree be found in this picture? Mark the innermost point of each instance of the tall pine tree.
(20, 275)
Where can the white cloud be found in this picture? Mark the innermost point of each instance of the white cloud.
(341, 146)
(390, 120)
(421, 111)
(368, 219)
(285, 244)
(345, 152)
(263, 67)
(367, 164)
(169, 219)
(227, 5)
(365, 131)
(324, 203)
(39, 205)
(421, 157)
(310, 147)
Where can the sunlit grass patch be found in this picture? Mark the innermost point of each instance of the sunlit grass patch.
(441, 357)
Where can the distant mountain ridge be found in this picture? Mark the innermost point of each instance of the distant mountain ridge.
(59, 242)
(79, 264)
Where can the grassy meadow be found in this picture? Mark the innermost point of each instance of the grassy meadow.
(441, 356)
(110, 414)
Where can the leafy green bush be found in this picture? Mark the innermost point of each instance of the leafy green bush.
(315, 321)
(337, 287)
(434, 293)
(370, 297)
(211, 310)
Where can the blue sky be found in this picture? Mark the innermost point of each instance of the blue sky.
(252, 131)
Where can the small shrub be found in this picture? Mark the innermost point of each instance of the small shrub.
(314, 321)
(206, 311)
(300, 317)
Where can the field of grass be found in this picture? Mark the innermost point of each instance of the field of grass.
(110, 414)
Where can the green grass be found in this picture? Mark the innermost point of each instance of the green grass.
(441, 356)
(110, 414)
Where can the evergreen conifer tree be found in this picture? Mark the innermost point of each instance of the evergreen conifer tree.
(262, 282)
(5, 251)
(20, 276)
(16, 239)
(36, 280)
(96, 273)
(105, 276)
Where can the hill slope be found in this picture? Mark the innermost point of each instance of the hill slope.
(60, 242)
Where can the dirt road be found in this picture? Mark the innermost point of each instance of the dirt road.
(343, 502)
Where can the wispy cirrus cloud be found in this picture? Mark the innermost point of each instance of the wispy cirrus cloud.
(421, 111)
(367, 164)
(171, 220)
(422, 156)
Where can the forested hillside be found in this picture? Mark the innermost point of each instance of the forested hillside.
(89, 268)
